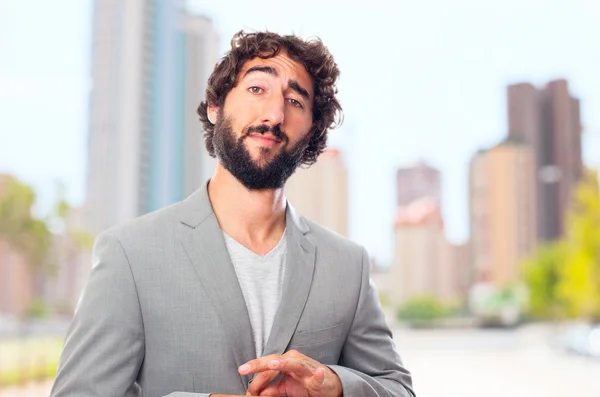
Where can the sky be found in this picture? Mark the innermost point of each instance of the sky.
(419, 81)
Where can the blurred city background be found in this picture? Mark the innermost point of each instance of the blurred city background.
(467, 165)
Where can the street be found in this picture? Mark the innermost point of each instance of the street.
(477, 363)
(490, 363)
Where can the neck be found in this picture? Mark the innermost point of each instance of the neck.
(249, 216)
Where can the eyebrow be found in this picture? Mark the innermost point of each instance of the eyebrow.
(293, 84)
(264, 69)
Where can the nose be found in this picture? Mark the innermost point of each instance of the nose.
(273, 110)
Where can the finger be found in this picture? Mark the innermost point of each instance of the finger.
(272, 391)
(296, 367)
(316, 382)
(262, 380)
(257, 365)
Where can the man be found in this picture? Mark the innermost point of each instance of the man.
(231, 291)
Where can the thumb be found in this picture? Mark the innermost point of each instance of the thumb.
(316, 381)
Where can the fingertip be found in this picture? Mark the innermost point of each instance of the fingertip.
(320, 374)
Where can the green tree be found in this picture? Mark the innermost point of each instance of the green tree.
(59, 217)
(35, 238)
(19, 228)
(579, 278)
(69, 241)
(542, 274)
(563, 277)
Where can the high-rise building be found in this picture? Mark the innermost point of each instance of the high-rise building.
(150, 64)
(17, 284)
(201, 56)
(460, 279)
(502, 211)
(548, 119)
(416, 182)
(320, 192)
(424, 261)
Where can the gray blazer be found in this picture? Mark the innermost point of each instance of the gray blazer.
(163, 312)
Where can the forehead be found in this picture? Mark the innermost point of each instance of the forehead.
(287, 69)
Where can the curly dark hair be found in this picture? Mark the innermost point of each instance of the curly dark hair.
(318, 62)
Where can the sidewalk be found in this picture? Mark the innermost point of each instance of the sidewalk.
(32, 390)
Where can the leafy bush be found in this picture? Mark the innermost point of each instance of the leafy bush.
(37, 308)
(15, 376)
(424, 309)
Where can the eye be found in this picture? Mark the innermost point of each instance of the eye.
(255, 90)
(295, 103)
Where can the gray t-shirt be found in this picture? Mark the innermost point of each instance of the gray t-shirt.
(261, 280)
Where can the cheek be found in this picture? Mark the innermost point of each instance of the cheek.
(243, 113)
(299, 128)
(306, 137)
(300, 140)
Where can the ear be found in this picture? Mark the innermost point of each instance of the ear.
(213, 113)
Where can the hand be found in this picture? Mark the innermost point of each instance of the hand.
(302, 376)
(227, 395)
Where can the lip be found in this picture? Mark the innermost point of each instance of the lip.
(265, 139)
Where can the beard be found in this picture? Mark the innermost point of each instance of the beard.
(235, 157)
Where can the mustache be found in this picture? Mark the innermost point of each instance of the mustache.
(263, 129)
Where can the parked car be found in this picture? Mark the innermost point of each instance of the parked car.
(594, 342)
(583, 339)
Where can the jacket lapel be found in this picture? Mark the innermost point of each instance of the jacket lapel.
(300, 266)
(205, 246)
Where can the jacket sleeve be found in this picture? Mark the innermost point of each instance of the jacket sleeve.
(104, 348)
(369, 365)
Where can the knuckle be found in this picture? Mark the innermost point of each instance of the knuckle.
(296, 354)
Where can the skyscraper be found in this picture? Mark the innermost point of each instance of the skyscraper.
(425, 263)
(150, 63)
(17, 284)
(548, 120)
(419, 246)
(501, 211)
(416, 182)
(320, 192)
